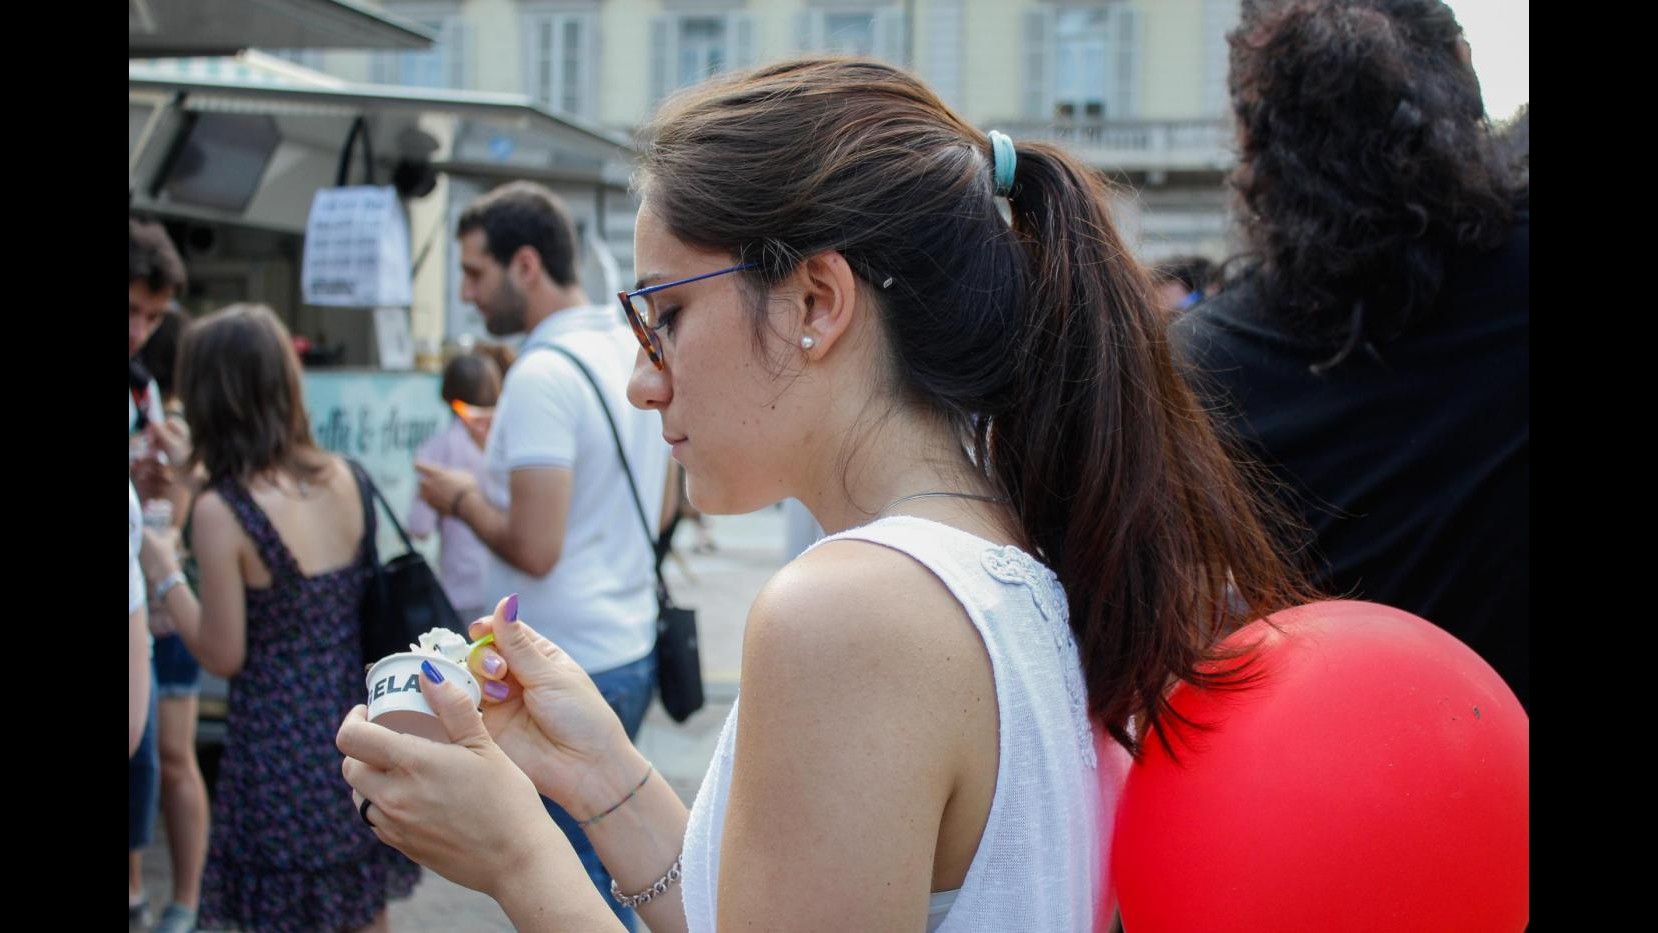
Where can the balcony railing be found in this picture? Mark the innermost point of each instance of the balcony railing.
(1137, 145)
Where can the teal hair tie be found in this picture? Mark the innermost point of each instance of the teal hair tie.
(1002, 148)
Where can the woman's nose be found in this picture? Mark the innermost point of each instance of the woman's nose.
(648, 387)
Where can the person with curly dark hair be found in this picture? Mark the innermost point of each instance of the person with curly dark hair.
(1375, 350)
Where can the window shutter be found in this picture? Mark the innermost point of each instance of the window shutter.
(591, 50)
(741, 26)
(662, 58)
(943, 38)
(457, 37)
(1125, 76)
(891, 37)
(1038, 64)
(808, 31)
(529, 40)
(1219, 16)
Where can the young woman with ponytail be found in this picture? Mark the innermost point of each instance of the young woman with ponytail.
(1033, 534)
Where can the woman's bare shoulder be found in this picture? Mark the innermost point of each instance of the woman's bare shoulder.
(854, 608)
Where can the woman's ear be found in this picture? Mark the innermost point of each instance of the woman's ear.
(830, 302)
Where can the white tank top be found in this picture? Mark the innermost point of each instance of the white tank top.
(1041, 863)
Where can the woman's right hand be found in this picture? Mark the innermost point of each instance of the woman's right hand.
(161, 621)
(158, 556)
(552, 721)
(172, 437)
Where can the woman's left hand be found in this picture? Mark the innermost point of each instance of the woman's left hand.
(464, 809)
(440, 486)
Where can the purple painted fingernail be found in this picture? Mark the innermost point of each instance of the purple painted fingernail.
(496, 690)
(492, 665)
(512, 608)
(431, 672)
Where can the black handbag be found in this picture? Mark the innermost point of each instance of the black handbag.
(404, 599)
(678, 662)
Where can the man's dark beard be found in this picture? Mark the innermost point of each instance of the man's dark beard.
(508, 317)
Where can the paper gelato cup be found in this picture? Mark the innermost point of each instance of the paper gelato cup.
(394, 693)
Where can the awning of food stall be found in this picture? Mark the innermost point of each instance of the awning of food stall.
(164, 28)
(259, 143)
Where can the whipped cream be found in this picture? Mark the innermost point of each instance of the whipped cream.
(442, 643)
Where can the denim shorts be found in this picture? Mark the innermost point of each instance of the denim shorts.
(143, 785)
(176, 673)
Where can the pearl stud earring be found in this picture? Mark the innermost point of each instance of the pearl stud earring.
(806, 342)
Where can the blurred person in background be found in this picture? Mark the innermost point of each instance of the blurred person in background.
(279, 539)
(503, 354)
(555, 508)
(139, 699)
(155, 279)
(177, 681)
(1376, 352)
(474, 380)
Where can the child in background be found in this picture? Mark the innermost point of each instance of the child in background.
(474, 380)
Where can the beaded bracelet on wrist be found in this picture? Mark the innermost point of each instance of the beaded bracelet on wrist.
(636, 788)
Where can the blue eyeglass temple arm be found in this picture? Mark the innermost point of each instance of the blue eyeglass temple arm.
(695, 278)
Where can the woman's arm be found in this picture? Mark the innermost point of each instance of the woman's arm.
(855, 724)
(856, 717)
(138, 635)
(172, 603)
(138, 678)
(639, 840)
(218, 639)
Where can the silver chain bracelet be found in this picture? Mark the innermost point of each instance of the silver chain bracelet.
(644, 897)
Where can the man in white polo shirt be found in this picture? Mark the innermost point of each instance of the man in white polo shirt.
(555, 507)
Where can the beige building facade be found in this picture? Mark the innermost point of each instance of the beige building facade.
(1135, 87)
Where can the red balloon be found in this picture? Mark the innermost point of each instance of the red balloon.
(1377, 779)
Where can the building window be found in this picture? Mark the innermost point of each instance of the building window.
(1219, 17)
(446, 64)
(1081, 63)
(878, 31)
(942, 36)
(702, 49)
(688, 48)
(850, 33)
(563, 53)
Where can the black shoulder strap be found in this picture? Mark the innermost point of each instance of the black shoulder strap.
(633, 486)
(370, 493)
